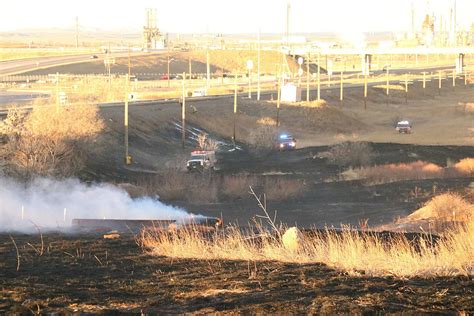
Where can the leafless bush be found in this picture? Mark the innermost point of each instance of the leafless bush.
(351, 154)
(263, 138)
(238, 186)
(49, 141)
(278, 189)
(206, 143)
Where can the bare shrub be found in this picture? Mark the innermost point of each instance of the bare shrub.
(238, 186)
(279, 189)
(50, 141)
(352, 154)
(263, 138)
(206, 143)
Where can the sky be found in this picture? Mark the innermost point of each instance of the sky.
(227, 16)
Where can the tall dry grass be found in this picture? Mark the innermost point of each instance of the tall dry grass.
(409, 171)
(350, 251)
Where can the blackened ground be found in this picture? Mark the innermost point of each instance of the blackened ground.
(88, 274)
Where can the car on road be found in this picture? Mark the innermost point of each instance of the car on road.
(94, 57)
(403, 127)
(201, 160)
(286, 142)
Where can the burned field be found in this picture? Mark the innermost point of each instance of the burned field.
(309, 187)
(89, 274)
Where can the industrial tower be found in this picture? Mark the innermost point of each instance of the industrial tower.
(151, 34)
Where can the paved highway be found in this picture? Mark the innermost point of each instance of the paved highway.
(18, 66)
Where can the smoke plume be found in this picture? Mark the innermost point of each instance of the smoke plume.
(52, 204)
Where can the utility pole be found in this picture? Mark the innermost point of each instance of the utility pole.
(258, 66)
(128, 159)
(388, 81)
(183, 111)
(77, 32)
(288, 9)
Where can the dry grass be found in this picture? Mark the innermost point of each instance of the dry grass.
(266, 121)
(395, 172)
(312, 104)
(349, 251)
(177, 185)
(409, 171)
(445, 207)
(465, 166)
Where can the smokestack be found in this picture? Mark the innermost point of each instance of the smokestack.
(412, 18)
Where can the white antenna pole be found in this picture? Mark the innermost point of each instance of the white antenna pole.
(22, 212)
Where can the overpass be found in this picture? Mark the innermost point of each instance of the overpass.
(305, 50)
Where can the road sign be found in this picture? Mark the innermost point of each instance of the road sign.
(300, 61)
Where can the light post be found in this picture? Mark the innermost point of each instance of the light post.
(249, 68)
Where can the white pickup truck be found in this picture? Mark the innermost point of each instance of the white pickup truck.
(201, 160)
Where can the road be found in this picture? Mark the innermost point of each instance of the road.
(12, 67)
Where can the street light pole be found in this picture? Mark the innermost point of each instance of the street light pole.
(235, 106)
(258, 67)
(127, 155)
(183, 111)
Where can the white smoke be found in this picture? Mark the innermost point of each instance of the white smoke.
(52, 204)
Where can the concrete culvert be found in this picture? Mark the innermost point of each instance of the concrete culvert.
(292, 239)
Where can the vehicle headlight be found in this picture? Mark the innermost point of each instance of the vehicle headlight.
(292, 144)
(282, 145)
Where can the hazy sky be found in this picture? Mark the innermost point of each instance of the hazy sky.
(223, 16)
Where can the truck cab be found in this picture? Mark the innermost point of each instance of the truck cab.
(403, 127)
(201, 160)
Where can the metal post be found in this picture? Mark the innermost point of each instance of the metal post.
(439, 82)
(424, 82)
(127, 155)
(341, 94)
(454, 79)
(208, 69)
(365, 89)
(465, 76)
(57, 91)
(235, 106)
(168, 77)
(258, 67)
(183, 111)
(250, 83)
(388, 80)
(307, 78)
(278, 100)
(319, 77)
(406, 88)
(190, 69)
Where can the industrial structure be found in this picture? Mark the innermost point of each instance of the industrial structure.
(152, 36)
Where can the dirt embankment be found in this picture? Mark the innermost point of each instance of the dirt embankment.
(92, 275)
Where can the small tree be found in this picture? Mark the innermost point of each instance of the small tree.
(49, 141)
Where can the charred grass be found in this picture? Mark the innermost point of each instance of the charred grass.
(88, 274)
